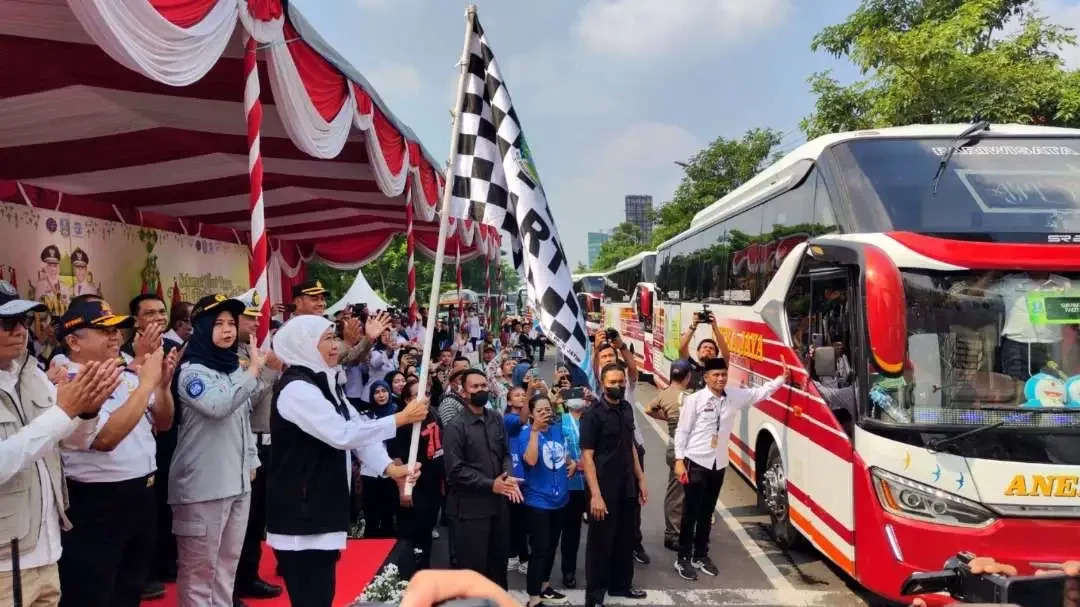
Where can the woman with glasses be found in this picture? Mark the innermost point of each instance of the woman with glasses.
(547, 467)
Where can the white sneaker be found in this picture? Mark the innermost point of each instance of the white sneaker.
(513, 564)
(434, 534)
(523, 568)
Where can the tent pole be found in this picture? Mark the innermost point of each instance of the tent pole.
(257, 270)
(440, 252)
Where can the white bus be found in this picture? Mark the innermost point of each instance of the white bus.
(630, 308)
(923, 281)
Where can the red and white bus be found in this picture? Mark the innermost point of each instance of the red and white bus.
(590, 289)
(925, 283)
(630, 308)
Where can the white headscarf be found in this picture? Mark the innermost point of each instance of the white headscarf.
(297, 344)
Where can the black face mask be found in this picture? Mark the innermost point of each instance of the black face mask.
(479, 399)
(616, 393)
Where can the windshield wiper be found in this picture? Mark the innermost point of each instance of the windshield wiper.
(936, 444)
(969, 133)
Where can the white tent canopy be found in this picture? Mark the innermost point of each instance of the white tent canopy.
(359, 292)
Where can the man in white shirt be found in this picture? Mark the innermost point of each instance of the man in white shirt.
(111, 473)
(701, 456)
(34, 417)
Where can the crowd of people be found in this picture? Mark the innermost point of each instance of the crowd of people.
(162, 445)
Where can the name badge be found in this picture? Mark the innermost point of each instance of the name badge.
(264, 439)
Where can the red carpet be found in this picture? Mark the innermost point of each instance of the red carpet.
(358, 565)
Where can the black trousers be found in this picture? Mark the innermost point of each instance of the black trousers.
(571, 531)
(700, 498)
(310, 576)
(109, 551)
(609, 550)
(482, 545)
(639, 538)
(519, 533)
(165, 555)
(247, 570)
(544, 529)
(414, 526)
(380, 499)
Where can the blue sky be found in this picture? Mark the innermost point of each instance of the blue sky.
(609, 92)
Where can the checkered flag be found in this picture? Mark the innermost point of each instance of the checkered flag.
(493, 167)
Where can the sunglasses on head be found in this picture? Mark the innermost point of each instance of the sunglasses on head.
(9, 324)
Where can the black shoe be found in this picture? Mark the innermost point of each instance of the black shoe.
(641, 556)
(705, 565)
(591, 601)
(629, 593)
(685, 569)
(153, 590)
(569, 580)
(258, 589)
(550, 595)
(671, 544)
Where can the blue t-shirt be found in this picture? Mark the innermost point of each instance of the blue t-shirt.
(545, 483)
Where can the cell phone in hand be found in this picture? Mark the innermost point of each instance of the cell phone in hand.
(575, 393)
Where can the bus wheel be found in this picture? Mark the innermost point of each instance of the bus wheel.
(772, 493)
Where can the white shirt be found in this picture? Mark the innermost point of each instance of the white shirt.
(133, 457)
(28, 447)
(173, 337)
(1014, 290)
(362, 436)
(705, 415)
(416, 332)
(474, 327)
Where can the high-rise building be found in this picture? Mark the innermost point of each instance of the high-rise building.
(595, 240)
(639, 213)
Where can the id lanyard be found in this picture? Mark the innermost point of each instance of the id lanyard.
(715, 442)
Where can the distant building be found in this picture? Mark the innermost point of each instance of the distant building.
(639, 213)
(595, 240)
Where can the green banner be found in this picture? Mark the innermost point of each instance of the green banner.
(1054, 308)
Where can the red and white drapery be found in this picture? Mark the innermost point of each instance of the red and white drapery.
(168, 154)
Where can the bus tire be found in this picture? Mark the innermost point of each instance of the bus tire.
(773, 495)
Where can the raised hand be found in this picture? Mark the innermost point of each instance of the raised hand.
(168, 368)
(352, 332)
(87, 392)
(58, 374)
(415, 411)
(256, 357)
(151, 367)
(148, 340)
(376, 325)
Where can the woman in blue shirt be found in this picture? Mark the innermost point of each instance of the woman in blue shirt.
(547, 467)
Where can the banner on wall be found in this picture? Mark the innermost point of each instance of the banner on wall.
(52, 257)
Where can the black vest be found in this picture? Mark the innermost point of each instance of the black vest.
(307, 486)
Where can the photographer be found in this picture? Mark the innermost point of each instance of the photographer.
(984, 565)
(707, 348)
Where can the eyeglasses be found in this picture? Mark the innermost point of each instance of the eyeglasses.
(9, 324)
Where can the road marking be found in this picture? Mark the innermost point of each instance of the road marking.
(720, 597)
(777, 579)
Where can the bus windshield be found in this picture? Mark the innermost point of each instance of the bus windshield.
(593, 284)
(1006, 189)
(985, 348)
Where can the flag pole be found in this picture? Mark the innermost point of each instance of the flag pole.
(440, 252)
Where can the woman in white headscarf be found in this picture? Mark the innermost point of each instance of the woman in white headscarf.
(313, 430)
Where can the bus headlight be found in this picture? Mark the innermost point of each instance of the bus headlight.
(905, 497)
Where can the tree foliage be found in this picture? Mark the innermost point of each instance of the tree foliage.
(710, 174)
(388, 275)
(625, 241)
(943, 61)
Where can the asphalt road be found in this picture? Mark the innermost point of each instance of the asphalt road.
(753, 571)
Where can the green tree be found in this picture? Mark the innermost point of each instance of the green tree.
(942, 61)
(710, 174)
(388, 275)
(625, 241)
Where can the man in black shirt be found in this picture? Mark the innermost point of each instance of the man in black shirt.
(477, 458)
(707, 348)
(615, 483)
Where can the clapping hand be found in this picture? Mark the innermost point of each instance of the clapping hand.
(352, 331)
(85, 394)
(151, 367)
(148, 340)
(169, 366)
(508, 487)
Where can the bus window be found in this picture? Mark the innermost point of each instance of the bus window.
(744, 278)
(787, 221)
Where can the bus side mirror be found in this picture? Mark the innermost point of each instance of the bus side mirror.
(824, 362)
(886, 311)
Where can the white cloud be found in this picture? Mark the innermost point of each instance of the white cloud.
(395, 79)
(644, 29)
(636, 160)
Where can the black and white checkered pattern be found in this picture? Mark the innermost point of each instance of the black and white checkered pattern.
(493, 169)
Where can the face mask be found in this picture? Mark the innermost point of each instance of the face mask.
(616, 393)
(479, 399)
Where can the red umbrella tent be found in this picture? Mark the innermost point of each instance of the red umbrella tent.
(223, 120)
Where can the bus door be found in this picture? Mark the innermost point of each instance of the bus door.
(822, 314)
(642, 304)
